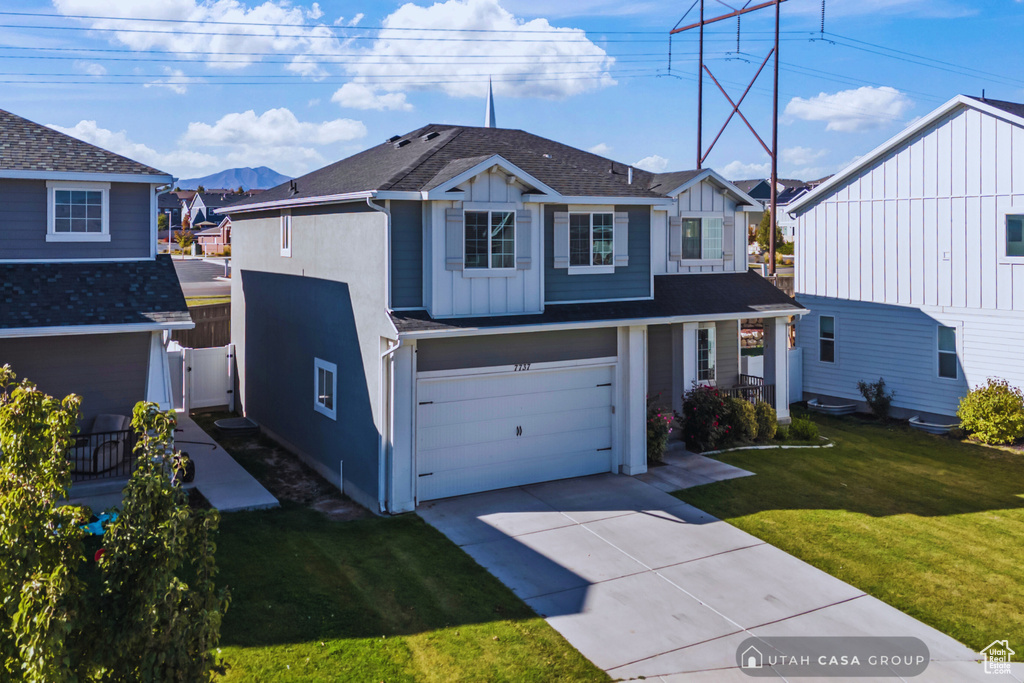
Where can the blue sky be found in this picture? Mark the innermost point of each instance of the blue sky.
(208, 85)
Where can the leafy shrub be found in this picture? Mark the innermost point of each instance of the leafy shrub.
(659, 426)
(703, 418)
(993, 413)
(767, 421)
(763, 236)
(780, 433)
(878, 399)
(740, 417)
(803, 429)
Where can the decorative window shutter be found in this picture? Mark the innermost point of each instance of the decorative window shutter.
(621, 237)
(454, 236)
(524, 234)
(675, 238)
(561, 235)
(728, 236)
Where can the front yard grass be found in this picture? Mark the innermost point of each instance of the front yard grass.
(931, 526)
(369, 599)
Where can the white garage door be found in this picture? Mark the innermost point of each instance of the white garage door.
(483, 432)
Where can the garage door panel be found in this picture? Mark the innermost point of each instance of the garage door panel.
(524, 406)
(510, 384)
(487, 431)
(540, 449)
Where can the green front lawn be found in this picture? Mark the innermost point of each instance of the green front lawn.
(931, 526)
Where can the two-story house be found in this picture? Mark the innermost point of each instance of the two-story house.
(912, 262)
(462, 309)
(85, 302)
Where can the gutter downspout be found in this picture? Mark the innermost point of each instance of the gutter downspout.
(387, 413)
(386, 210)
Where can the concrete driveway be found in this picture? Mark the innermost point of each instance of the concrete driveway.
(645, 585)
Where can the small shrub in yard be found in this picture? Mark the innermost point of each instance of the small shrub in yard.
(741, 418)
(993, 413)
(659, 426)
(803, 430)
(780, 433)
(703, 418)
(767, 421)
(878, 399)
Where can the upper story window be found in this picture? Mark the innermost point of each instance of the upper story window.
(591, 240)
(947, 352)
(78, 212)
(706, 354)
(325, 386)
(490, 239)
(702, 238)
(827, 339)
(1015, 235)
(286, 234)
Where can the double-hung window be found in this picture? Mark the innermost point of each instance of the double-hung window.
(286, 234)
(325, 386)
(591, 240)
(827, 339)
(78, 212)
(702, 238)
(490, 239)
(1015, 235)
(706, 354)
(947, 352)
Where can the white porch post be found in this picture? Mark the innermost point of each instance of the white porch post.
(679, 386)
(400, 456)
(776, 363)
(635, 456)
(689, 356)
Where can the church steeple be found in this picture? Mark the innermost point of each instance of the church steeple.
(489, 116)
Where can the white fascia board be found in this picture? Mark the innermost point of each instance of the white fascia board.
(591, 324)
(129, 259)
(304, 201)
(623, 201)
(494, 160)
(73, 176)
(77, 330)
(725, 184)
(401, 195)
(804, 202)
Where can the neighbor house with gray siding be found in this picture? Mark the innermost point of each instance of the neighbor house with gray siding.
(85, 302)
(461, 309)
(911, 261)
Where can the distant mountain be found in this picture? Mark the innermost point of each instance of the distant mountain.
(261, 178)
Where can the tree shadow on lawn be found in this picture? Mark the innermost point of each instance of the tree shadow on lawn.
(874, 469)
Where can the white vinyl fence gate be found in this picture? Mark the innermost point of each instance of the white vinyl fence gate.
(202, 378)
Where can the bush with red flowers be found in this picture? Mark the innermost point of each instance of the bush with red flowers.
(659, 426)
(703, 419)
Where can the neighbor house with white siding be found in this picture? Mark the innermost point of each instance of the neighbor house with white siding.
(912, 262)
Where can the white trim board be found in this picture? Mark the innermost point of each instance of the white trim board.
(75, 330)
(85, 177)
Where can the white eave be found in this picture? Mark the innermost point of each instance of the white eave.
(14, 174)
(725, 184)
(75, 330)
(900, 138)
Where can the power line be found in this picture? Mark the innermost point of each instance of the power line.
(172, 80)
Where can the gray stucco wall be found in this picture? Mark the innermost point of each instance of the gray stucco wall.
(107, 370)
(508, 349)
(23, 226)
(633, 281)
(406, 254)
(297, 320)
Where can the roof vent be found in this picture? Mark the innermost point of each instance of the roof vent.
(546, 155)
(431, 135)
(293, 189)
(402, 143)
(393, 138)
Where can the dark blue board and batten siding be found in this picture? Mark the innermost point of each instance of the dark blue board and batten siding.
(297, 320)
(406, 254)
(25, 224)
(631, 282)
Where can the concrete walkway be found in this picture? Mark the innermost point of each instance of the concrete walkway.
(644, 585)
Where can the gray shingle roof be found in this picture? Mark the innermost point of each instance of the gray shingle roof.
(64, 294)
(436, 153)
(28, 146)
(1014, 108)
(674, 295)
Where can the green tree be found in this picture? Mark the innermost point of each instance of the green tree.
(763, 235)
(162, 222)
(200, 189)
(184, 238)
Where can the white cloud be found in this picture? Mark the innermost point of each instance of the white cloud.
(738, 170)
(519, 66)
(583, 8)
(313, 102)
(315, 12)
(356, 19)
(601, 149)
(91, 68)
(359, 96)
(653, 163)
(119, 143)
(852, 110)
(176, 81)
(801, 156)
(272, 128)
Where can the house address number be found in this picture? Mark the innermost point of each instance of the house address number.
(522, 367)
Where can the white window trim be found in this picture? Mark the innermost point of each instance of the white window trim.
(285, 234)
(835, 337)
(956, 351)
(1016, 210)
(318, 406)
(712, 329)
(489, 271)
(53, 236)
(592, 269)
(703, 218)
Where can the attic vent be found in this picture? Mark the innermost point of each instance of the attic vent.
(402, 143)
(393, 138)
(547, 156)
(431, 135)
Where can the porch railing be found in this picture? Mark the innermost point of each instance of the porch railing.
(751, 381)
(102, 455)
(752, 393)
